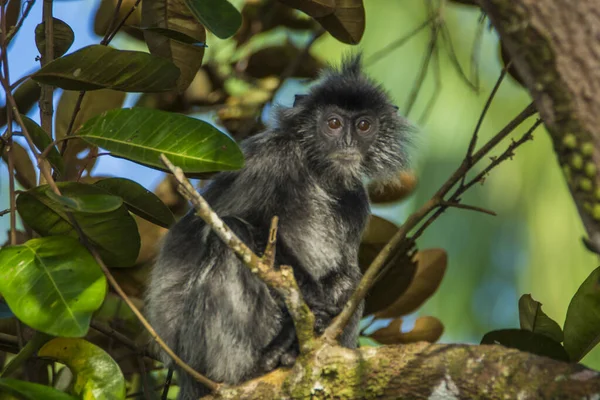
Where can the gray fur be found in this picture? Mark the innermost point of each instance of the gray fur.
(215, 314)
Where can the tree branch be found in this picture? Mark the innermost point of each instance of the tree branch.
(552, 48)
(423, 370)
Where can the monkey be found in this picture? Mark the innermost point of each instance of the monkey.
(309, 169)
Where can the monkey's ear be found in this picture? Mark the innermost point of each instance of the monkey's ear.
(298, 99)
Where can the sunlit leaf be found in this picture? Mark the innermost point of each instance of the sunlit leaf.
(218, 16)
(533, 319)
(94, 103)
(392, 190)
(24, 169)
(347, 23)
(168, 18)
(428, 329)
(63, 37)
(431, 267)
(41, 140)
(314, 8)
(139, 200)
(527, 341)
(88, 203)
(128, 71)
(32, 391)
(582, 325)
(141, 135)
(113, 234)
(52, 284)
(97, 375)
(26, 95)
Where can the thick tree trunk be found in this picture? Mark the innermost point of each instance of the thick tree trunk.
(423, 371)
(555, 47)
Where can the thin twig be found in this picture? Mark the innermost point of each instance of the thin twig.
(437, 85)
(146, 391)
(112, 23)
(416, 89)
(387, 49)
(124, 340)
(466, 207)
(453, 57)
(370, 276)
(121, 23)
(17, 27)
(476, 49)
(167, 385)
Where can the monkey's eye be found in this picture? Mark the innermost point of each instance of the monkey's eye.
(364, 125)
(334, 124)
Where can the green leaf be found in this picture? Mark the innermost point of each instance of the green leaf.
(97, 375)
(218, 16)
(582, 325)
(52, 284)
(127, 71)
(24, 169)
(114, 234)
(527, 341)
(30, 348)
(42, 141)
(141, 135)
(139, 200)
(89, 203)
(533, 319)
(63, 37)
(173, 34)
(32, 391)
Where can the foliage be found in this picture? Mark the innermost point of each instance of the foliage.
(51, 274)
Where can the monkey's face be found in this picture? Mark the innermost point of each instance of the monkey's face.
(347, 135)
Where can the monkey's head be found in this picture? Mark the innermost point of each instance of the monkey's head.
(349, 126)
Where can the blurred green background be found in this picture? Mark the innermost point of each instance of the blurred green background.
(534, 243)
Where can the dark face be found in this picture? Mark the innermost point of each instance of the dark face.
(347, 135)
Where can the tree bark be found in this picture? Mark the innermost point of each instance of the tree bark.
(422, 371)
(555, 47)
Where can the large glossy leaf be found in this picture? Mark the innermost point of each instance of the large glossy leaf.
(32, 391)
(139, 200)
(527, 341)
(128, 71)
(26, 95)
(582, 325)
(88, 203)
(141, 135)
(52, 284)
(114, 234)
(97, 375)
(218, 16)
(533, 319)
(94, 103)
(166, 17)
(24, 169)
(41, 140)
(63, 37)
(431, 267)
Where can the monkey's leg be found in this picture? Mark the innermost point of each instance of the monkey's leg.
(230, 315)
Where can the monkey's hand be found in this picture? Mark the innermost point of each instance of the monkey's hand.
(282, 351)
(323, 316)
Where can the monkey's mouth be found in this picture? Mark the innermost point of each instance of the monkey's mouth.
(347, 156)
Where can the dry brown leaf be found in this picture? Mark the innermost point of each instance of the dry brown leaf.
(174, 15)
(314, 8)
(26, 95)
(347, 23)
(150, 234)
(167, 192)
(94, 103)
(24, 169)
(431, 266)
(392, 190)
(427, 329)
